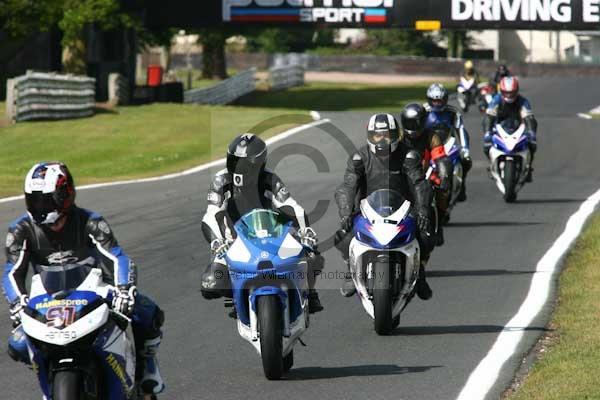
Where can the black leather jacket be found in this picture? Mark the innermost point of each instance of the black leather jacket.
(227, 202)
(365, 173)
(86, 238)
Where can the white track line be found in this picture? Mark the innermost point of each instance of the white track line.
(487, 372)
(190, 171)
(584, 116)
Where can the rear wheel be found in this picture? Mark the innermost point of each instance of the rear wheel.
(382, 298)
(67, 386)
(271, 336)
(510, 181)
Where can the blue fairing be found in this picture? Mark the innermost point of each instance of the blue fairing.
(110, 361)
(439, 118)
(265, 278)
(406, 233)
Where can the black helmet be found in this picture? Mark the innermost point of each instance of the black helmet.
(49, 192)
(246, 158)
(413, 119)
(503, 71)
(383, 134)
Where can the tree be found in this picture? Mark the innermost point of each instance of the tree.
(401, 42)
(214, 63)
(21, 18)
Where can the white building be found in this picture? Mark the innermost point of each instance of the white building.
(535, 46)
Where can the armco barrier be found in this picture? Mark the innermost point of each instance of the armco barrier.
(39, 95)
(225, 91)
(119, 92)
(286, 76)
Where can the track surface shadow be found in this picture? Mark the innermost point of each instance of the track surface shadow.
(458, 329)
(549, 201)
(312, 373)
(485, 224)
(475, 272)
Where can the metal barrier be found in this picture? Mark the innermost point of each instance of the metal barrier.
(225, 91)
(39, 95)
(286, 76)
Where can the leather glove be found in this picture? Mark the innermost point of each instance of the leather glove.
(219, 247)
(124, 299)
(346, 223)
(308, 237)
(467, 162)
(15, 309)
(424, 224)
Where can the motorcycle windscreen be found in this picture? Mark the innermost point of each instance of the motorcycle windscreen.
(260, 224)
(510, 125)
(63, 278)
(385, 202)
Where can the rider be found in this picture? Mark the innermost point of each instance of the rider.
(469, 72)
(501, 72)
(439, 112)
(241, 187)
(54, 231)
(509, 104)
(384, 163)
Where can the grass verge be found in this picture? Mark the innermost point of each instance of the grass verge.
(323, 96)
(133, 142)
(569, 365)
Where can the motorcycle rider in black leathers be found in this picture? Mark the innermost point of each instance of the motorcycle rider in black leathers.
(385, 163)
(510, 105)
(54, 231)
(238, 189)
(501, 72)
(430, 144)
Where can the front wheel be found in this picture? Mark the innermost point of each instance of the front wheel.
(67, 386)
(510, 181)
(271, 336)
(382, 298)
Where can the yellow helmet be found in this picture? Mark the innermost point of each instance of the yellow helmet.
(468, 65)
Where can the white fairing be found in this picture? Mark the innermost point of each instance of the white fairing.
(382, 228)
(466, 84)
(497, 164)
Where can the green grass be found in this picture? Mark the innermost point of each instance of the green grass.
(570, 366)
(133, 141)
(339, 97)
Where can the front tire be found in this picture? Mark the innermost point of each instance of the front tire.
(510, 181)
(67, 386)
(382, 299)
(271, 336)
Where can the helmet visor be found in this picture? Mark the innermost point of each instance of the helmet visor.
(510, 96)
(42, 207)
(383, 136)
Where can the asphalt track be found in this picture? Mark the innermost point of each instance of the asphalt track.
(480, 277)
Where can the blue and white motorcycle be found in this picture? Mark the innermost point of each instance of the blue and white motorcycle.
(268, 271)
(79, 348)
(510, 158)
(385, 257)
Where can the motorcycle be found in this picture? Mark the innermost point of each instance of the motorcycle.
(509, 158)
(486, 94)
(79, 348)
(384, 257)
(466, 92)
(268, 271)
(452, 149)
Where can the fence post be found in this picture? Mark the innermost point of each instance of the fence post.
(10, 100)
